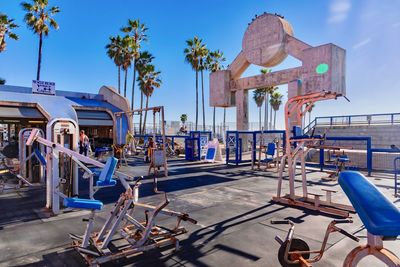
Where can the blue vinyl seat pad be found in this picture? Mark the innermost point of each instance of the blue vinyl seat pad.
(105, 178)
(379, 215)
(82, 203)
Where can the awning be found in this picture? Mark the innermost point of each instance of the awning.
(94, 118)
(20, 113)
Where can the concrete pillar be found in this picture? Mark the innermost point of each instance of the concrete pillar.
(242, 115)
(242, 110)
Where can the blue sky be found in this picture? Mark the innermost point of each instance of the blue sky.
(74, 56)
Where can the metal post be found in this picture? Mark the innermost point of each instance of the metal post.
(369, 156)
(237, 147)
(227, 148)
(321, 158)
(164, 141)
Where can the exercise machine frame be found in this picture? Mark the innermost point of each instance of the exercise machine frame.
(141, 236)
(297, 148)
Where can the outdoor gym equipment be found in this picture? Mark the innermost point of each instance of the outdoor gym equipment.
(196, 145)
(297, 148)
(234, 143)
(30, 172)
(267, 41)
(100, 247)
(379, 215)
(295, 252)
(158, 156)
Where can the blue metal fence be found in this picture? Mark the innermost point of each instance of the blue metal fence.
(233, 141)
(348, 120)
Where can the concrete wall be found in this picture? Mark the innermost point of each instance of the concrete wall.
(382, 135)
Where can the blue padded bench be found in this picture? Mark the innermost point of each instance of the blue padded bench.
(40, 157)
(81, 203)
(269, 152)
(105, 178)
(380, 216)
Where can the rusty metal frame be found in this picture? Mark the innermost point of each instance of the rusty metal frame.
(296, 257)
(373, 247)
(308, 200)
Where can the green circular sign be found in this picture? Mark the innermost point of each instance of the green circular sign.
(322, 68)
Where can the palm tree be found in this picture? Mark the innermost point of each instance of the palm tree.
(39, 18)
(271, 92)
(203, 54)
(268, 91)
(214, 62)
(138, 35)
(115, 52)
(126, 58)
(145, 58)
(258, 96)
(183, 119)
(276, 102)
(192, 52)
(149, 79)
(6, 27)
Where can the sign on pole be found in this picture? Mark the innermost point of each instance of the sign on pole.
(41, 87)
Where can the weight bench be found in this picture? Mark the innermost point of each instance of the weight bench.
(379, 215)
(105, 180)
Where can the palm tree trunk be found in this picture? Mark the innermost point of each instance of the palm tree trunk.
(145, 115)
(197, 100)
(270, 116)
(39, 56)
(133, 83)
(141, 107)
(202, 100)
(119, 79)
(126, 78)
(274, 119)
(214, 121)
(259, 117)
(266, 112)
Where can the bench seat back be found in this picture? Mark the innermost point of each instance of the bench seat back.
(379, 215)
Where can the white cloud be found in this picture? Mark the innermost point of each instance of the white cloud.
(362, 43)
(338, 11)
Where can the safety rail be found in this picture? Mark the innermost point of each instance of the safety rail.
(354, 120)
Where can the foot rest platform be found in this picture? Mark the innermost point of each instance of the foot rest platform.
(82, 203)
(379, 215)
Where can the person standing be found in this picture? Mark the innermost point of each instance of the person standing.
(83, 143)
